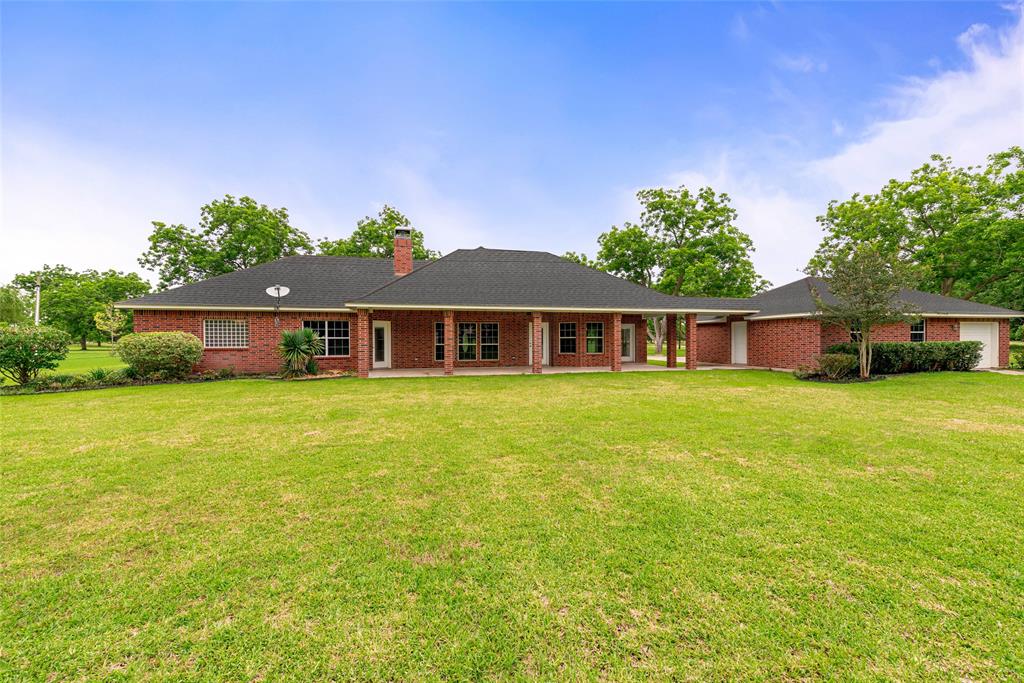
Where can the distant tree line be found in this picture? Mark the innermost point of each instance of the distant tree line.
(954, 231)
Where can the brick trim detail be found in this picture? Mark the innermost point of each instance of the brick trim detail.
(617, 342)
(363, 342)
(692, 345)
(672, 341)
(538, 345)
(449, 342)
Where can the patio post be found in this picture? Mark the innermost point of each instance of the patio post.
(538, 345)
(691, 341)
(449, 342)
(617, 342)
(363, 342)
(671, 341)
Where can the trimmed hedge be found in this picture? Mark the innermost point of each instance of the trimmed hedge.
(170, 355)
(892, 358)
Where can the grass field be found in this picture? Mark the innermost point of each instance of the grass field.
(708, 525)
(79, 361)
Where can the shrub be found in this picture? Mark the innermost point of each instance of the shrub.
(891, 358)
(1017, 358)
(168, 355)
(27, 349)
(100, 374)
(297, 349)
(838, 365)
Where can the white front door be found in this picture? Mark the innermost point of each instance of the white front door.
(545, 358)
(739, 343)
(628, 341)
(381, 343)
(988, 335)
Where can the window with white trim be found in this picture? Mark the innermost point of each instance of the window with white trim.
(439, 341)
(467, 341)
(595, 337)
(488, 341)
(917, 330)
(567, 337)
(226, 334)
(335, 334)
(855, 333)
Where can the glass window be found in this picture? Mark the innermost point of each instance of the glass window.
(917, 331)
(567, 337)
(439, 341)
(226, 334)
(335, 334)
(855, 333)
(488, 341)
(595, 337)
(467, 341)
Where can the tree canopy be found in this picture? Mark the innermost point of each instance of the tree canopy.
(70, 300)
(375, 237)
(15, 307)
(961, 230)
(685, 243)
(232, 234)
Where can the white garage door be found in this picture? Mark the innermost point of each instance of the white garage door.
(988, 335)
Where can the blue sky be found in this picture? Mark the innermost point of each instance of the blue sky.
(513, 125)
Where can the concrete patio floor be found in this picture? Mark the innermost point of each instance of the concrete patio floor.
(548, 370)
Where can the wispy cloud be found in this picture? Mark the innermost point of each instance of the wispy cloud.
(801, 64)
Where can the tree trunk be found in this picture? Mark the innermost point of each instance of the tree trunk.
(865, 352)
(659, 334)
(83, 341)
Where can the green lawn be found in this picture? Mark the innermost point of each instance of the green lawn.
(707, 525)
(79, 361)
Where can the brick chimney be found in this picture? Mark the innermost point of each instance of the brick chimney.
(403, 251)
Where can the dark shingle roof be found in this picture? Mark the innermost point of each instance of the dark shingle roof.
(797, 298)
(525, 280)
(316, 282)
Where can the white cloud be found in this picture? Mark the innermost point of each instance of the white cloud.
(801, 64)
(967, 113)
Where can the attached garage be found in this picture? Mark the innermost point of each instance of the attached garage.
(988, 334)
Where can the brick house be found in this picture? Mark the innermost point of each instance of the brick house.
(492, 308)
(784, 333)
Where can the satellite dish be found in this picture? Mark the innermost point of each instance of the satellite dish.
(278, 291)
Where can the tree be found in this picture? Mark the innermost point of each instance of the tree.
(960, 229)
(70, 300)
(27, 349)
(865, 283)
(110, 321)
(232, 234)
(685, 244)
(375, 237)
(15, 307)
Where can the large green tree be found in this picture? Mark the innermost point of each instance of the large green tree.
(15, 307)
(686, 243)
(232, 234)
(375, 237)
(960, 229)
(70, 300)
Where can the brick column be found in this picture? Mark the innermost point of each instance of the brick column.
(363, 342)
(538, 345)
(691, 341)
(617, 342)
(449, 342)
(670, 341)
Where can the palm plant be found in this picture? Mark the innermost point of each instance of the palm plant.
(298, 349)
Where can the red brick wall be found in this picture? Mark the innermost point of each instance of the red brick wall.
(714, 341)
(412, 338)
(261, 356)
(783, 343)
(935, 329)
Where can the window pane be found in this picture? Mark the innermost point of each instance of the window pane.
(439, 341)
(467, 341)
(225, 334)
(567, 337)
(488, 341)
(595, 337)
(334, 333)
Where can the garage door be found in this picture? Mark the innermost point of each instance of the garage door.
(988, 335)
